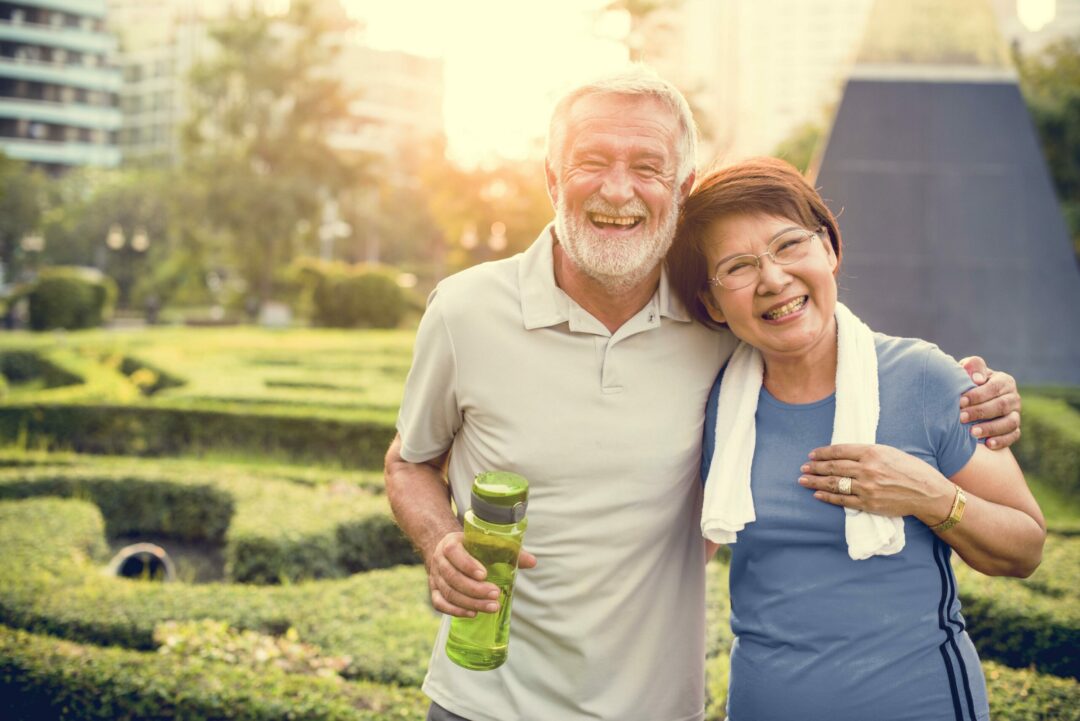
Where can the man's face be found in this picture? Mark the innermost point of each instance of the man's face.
(616, 195)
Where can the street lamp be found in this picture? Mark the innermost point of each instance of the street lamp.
(117, 242)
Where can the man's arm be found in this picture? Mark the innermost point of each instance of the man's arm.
(420, 499)
(995, 401)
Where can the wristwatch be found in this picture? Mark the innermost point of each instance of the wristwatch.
(957, 512)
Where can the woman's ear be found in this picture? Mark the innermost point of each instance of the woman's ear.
(823, 233)
(711, 306)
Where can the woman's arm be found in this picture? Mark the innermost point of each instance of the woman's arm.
(1002, 530)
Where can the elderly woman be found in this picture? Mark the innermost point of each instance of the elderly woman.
(837, 466)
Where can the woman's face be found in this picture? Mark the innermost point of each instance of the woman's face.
(788, 310)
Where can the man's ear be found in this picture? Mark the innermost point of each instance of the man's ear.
(552, 183)
(686, 187)
(711, 306)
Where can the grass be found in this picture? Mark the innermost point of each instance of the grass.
(329, 373)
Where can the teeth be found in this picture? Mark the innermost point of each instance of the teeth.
(786, 309)
(612, 220)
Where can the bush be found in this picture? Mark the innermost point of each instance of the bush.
(374, 542)
(163, 430)
(1034, 622)
(357, 297)
(274, 531)
(45, 679)
(51, 582)
(1050, 444)
(70, 298)
(192, 512)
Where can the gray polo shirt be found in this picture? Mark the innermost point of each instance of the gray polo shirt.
(509, 373)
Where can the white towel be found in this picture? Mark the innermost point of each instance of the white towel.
(729, 504)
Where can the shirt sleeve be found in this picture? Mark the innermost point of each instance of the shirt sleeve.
(943, 383)
(430, 417)
(708, 440)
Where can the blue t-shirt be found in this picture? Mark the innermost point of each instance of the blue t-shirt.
(818, 635)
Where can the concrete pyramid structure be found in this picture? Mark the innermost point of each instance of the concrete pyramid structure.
(952, 229)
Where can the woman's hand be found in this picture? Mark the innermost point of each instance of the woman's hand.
(881, 479)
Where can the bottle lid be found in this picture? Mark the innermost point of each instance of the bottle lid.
(500, 496)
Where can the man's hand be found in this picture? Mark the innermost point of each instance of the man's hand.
(994, 400)
(456, 579)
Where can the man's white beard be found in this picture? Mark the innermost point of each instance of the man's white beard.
(617, 264)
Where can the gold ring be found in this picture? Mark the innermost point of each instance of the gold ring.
(844, 486)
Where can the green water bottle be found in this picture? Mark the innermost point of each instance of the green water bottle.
(494, 528)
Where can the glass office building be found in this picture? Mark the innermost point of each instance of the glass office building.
(58, 89)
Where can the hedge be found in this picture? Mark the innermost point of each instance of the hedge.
(155, 430)
(70, 298)
(274, 531)
(1033, 622)
(45, 679)
(1050, 443)
(26, 366)
(51, 581)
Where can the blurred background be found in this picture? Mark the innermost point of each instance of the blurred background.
(208, 156)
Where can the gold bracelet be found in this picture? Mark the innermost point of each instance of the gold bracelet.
(957, 512)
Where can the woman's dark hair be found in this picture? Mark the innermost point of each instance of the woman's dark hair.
(766, 186)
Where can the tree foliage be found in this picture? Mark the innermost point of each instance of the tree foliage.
(1050, 81)
(263, 110)
(22, 199)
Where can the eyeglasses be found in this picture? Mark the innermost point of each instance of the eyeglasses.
(739, 271)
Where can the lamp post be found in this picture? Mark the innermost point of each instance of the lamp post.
(116, 242)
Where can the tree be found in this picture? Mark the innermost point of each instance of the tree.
(22, 199)
(798, 147)
(1050, 82)
(257, 144)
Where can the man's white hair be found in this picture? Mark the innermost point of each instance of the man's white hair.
(637, 81)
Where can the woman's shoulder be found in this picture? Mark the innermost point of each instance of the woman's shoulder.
(917, 363)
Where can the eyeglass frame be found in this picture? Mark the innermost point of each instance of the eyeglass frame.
(714, 281)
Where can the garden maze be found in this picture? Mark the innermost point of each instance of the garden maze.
(265, 448)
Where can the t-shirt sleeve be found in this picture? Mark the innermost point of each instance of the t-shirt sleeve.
(708, 440)
(429, 417)
(943, 382)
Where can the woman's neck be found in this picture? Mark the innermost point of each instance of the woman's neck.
(808, 377)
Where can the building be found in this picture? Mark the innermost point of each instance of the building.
(58, 87)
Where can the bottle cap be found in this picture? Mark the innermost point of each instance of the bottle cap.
(500, 496)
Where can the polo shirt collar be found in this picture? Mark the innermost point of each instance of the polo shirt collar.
(544, 304)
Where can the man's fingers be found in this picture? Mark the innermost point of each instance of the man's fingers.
(465, 564)
(1000, 433)
(526, 559)
(452, 582)
(468, 602)
(976, 368)
(440, 604)
(997, 397)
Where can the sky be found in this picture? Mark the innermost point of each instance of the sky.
(505, 61)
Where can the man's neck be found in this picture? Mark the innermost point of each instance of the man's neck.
(612, 308)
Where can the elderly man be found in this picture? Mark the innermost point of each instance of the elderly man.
(574, 365)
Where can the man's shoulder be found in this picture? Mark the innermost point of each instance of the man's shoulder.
(475, 283)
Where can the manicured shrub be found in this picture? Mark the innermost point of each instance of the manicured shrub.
(1034, 622)
(274, 530)
(51, 582)
(70, 298)
(357, 297)
(131, 504)
(46, 679)
(157, 430)
(1050, 443)
(375, 541)
(24, 366)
